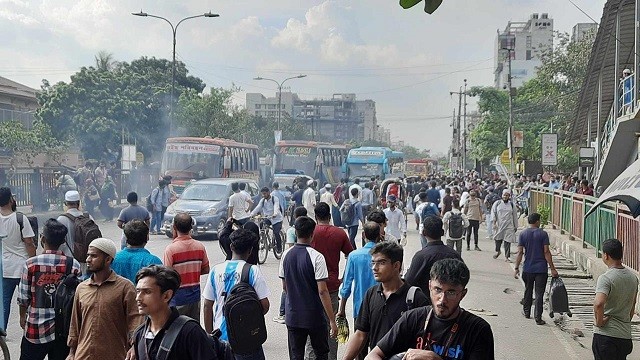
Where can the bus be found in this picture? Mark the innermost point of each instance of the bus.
(193, 158)
(316, 160)
(419, 167)
(366, 162)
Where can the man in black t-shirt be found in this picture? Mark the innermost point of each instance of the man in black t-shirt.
(441, 331)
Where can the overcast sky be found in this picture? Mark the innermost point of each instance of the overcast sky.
(405, 60)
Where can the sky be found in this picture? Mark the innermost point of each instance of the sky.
(407, 61)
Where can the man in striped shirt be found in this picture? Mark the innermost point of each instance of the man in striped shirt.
(189, 258)
(40, 277)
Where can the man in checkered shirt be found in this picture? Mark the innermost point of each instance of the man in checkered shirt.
(40, 278)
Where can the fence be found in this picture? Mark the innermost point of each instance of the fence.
(609, 220)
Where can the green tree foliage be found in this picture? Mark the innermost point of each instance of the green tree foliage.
(27, 143)
(429, 5)
(215, 115)
(549, 98)
(94, 108)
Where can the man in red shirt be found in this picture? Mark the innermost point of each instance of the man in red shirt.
(585, 189)
(330, 241)
(189, 258)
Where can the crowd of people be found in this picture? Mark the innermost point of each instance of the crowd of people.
(142, 307)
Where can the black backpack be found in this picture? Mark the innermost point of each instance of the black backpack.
(410, 296)
(456, 226)
(63, 301)
(243, 312)
(33, 221)
(347, 212)
(85, 230)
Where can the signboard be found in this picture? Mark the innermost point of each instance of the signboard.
(294, 150)
(128, 156)
(549, 149)
(191, 148)
(518, 139)
(587, 156)
(139, 158)
(504, 158)
(366, 153)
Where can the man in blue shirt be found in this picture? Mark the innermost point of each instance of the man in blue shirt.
(134, 257)
(304, 275)
(535, 244)
(270, 208)
(358, 216)
(278, 194)
(357, 273)
(131, 212)
(433, 194)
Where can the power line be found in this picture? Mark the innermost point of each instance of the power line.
(584, 12)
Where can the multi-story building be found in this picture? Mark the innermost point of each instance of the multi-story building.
(367, 113)
(267, 107)
(17, 102)
(524, 42)
(580, 30)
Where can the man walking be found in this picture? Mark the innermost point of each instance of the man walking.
(614, 306)
(270, 209)
(159, 201)
(41, 277)
(505, 223)
(473, 211)
(72, 201)
(331, 242)
(383, 303)
(357, 216)
(534, 243)
(17, 247)
(455, 223)
(368, 198)
(239, 205)
(131, 212)
(396, 224)
(309, 199)
(303, 271)
(105, 313)
(155, 286)
(134, 257)
(423, 260)
(189, 258)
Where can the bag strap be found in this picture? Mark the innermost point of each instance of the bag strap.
(246, 268)
(410, 296)
(20, 220)
(68, 265)
(170, 336)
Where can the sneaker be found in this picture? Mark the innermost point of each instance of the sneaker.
(468, 248)
(477, 248)
(495, 256)
(540, 322)
(279, 319)
(524, 313)
(507, 260)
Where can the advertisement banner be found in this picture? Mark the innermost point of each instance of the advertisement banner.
(587, 156)
(549, 149)
(518, 139)
(191, 148)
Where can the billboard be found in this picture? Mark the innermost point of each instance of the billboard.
(549, 149)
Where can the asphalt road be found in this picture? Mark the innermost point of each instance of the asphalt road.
(492, 288)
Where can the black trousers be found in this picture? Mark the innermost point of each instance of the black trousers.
(473, 225)
(610, 348)
(319, 337)
(55, 350)
(537, 282)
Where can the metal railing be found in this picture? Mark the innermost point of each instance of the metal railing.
(610, 220)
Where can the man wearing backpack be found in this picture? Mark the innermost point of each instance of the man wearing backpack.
(385, 302)
(425, 210)
(269, 208)
(81, 229)
(455, 222)
(236, 297)
(155, 286)
(351, 215)
(40, 278)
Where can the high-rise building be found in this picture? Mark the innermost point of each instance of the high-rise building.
(525, 42)
(267, 107)
(580, 30)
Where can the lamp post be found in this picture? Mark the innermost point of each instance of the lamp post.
(173, 63)
(509, 85)
(280, 91)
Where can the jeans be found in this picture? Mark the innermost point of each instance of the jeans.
(277, 227)
(537, 281)
(333, 343)
(54, 350)
(283, 299)
(353, 232)
(297, 338)
(474, 225)
(489, 224)
(191, 310)
(156, 221)
(8, 287)
(257, 355)
(610, 348)
(455, 243)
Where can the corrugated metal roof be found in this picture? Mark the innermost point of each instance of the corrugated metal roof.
(602, 61)
(16, 89)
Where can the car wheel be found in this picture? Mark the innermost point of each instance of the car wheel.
(169, 234)
(221, 224)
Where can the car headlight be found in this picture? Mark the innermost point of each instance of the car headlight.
(210, 211)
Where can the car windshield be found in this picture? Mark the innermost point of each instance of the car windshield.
(205, 192)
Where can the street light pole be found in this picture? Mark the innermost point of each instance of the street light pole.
(509, 77)
(174, 29)
(280, 84)
(464, 129)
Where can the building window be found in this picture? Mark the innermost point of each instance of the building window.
(272, 106)
(528, 54)
(258, 106)
(528, 42)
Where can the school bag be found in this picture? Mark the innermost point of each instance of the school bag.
(63, 301)
(347, 212)
(410, 296)
(85, 230)
(220, 347)
(243, 312)
(429, 210)
(33, 221)
(456, 226)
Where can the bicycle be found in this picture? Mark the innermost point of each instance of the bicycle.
(4, 350)
(267, 241)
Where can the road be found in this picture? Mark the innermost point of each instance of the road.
(492, 288)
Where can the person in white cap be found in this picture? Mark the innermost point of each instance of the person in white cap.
(505, 223)
(72, 201)
(309, 199)
(327, 197)
(105, 313)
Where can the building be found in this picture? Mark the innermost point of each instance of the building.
(580, 30)
(259, 105)
(17, 102)
(367, 113)
(526, 42)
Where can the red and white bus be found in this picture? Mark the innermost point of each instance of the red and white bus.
(318, 160)
(419, 167)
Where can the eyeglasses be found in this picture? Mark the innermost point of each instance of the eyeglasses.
(382, 262)
(449, 294)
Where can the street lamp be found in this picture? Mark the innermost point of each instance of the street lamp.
(173, 63)
(280, 90)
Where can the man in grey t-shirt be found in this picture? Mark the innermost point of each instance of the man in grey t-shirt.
(131, 212)
(614, 306)
(72, 201)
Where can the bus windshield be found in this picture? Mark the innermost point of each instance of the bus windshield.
(296, 159)
(416, 168)
(192, 165)
(364, 170)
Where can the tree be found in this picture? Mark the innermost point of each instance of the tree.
(100, 103)
(24, 144)
(429, 5)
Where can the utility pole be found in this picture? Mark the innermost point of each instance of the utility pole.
(511, 154)
(464, 129)
(457, 138)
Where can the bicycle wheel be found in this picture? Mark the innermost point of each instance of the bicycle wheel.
(4, 350)
(276, 253)
(263, 248)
